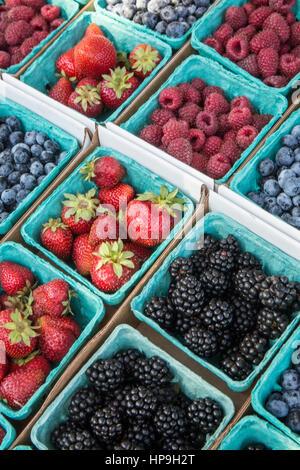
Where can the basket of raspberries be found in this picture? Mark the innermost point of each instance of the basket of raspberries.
(260, 38)
(136, 398)
(24, 24)
(224, 307)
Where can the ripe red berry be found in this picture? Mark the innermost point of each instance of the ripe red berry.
(188, 112)
(161, 116)
(249, 64)
(197, 139)
(212, 145)
(170, 98)
(217, 166)
(245, 136)
(216, 103)
(223, 33)
(239, 117)
(181, 149)
(268, 61)
(237, 48)
(175, 129)
(207, 122)
(152, 134)
(214, 44)
(236, 17)
(259, 16)
(199, 161)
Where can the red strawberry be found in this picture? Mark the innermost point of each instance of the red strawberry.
(151, 217)
(70, 324)
(4, 365)
(66, 65)
(79, 212)
(15, 279)
(61, 91)
(17, 334)
(94, 56)
(117, 87)
(105, 227)
(32, 362)
(93, 29)
(106, 172)
(86, 98)
(18, 387)
(57, 237)
(112, 266)
(118, 197)
(53, 298)
(142, 252)
(55, 340)
(82, 253)
(143, 59)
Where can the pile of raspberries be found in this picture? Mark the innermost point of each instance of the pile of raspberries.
(263, 38)
(199, 126)
(23, 25)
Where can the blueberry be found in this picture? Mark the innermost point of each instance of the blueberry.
(6, 169)
(49, 167)
(47, 157)
(16, 187)
(3, 184)
(4, 133)
(168, 14)
(141, 4)
(292, 186)
(138, 17)
(277, 406)
(293, 420)
(16, 137)
(191, 9)
(296, 168)
(14, 177)
(161, 27)
(292, 398)
(40, 179)
(176, 30)
(275, 210)
(284, 201)
(14, 123)
(290, 379)
(182, 11)
(21, 195)
(258, 198)
(41, 138)
(269, 202)
(21, 156)
(37, 169)
(128, 12)
(295, 221)
(296, 132)
(21, 167)
(296, 200)
(200, 12)
(286, 217)
(285, 156)
(290, 141)
(297, 155)
(52, 146)
(155, 6)
(3, 216)
(8, 197)
(284, 175)
(36, 150)
(191, 19)
(272, 188)
(266, 167)
(6, 157)
(150, 20)
(296, 212)
(118, 9)
(20, 146)
(30, 138)
(28, 181)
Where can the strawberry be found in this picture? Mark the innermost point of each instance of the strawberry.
(70, 324)
(18, 387)
(106, 172)
(79, 212)
(94, 56)
(86, 98)
(2, 434)
(150, 218)
(82, 253)
(112, 266)
(66, 66)
(32, 362)
(118, 197)
(142, 252)
(53, 298)
(57, 237)
(117, 87)
(93, 29)
(143, 59)
(55, 340)
(4, 364)
(105, 227)
(15, 279)
(17, 334)
(61, 91)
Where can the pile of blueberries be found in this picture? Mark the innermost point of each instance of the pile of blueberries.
(285, 405)
(25, 160)
(279, 191)
(170, 17)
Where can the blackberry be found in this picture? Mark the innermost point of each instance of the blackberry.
(152, 372)
(58, 433)
(200, 263)
(74, 438)
(222, 261)
(188, 297)
(246, 260)
(140, 403)
(253, 347)
(235, 366)
(84, 403)
(217, 315)
(117, 397)
(175, 444)
(277, 292)
(215, 282)
(230, 244)
(159, 310)
(106, 424)
(271, 324)
(255, 446)
(247, 283)
(181, 267)
(206, 414)
(171, 289)
(170, 421)
(202, 342)
(207, 245)
(128, 358)
(106, 374)
(141, 434)
(195, 437)
(165, 394)
(182, 323)
(182, 401)
(245, 315)
(127, 445)
(225, 338)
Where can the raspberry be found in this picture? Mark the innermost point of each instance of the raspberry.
(216, 103)
(230, 150)
(3, 22)
(56, 23)
(289, 65)
(214, 44)
(224, 125)
(13, 3)
(241, 102)
(181, 149)
(161, 116)
(40, 35)
(207, 122)
(236, 17)
(249, 8)
(173, 129)
(170, 98)
(223, 33)
(152, 134)
(212, 145)
(248, 32)
(283, 6)
(284, 49)
(199, 161)
(190, 94)
(295, 34)
(230, 135)
(276, 81)
(266, 38)
(217, 166)
(245, 136)
(4, 60)
(188, 112)
(290, 18)
(237, 48)
(199, 84)
(16, 58)
(197, 139)
(258, 17)
(39, 23)
(17, 32)
(239, 117)
(212, 89)
(163, 147)
(268, 61)
(249, 64)
(50, 12)
(296, 51)
(261, 120)
(28, 45)
(20, 13)
(277, 23)
(35, 4)
(3, 43)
